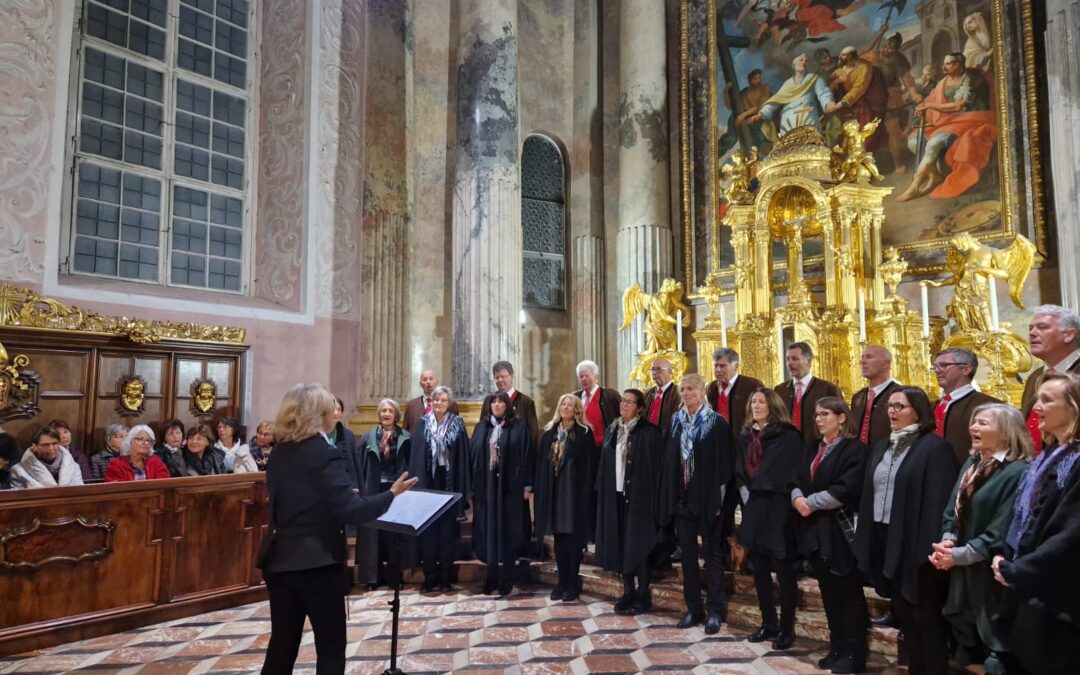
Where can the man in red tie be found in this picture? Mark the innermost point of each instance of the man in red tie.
(1052, 338)
(730, 391)
(869, 405)
(955, 369)
(802, 391)
(662, 400)
(421, 405)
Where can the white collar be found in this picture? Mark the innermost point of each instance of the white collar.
(730, 384)
(1000, 456)
(1067, 363)
(663, 389)
(882, 387)
(510, 392)
(805, 380)
(960, 392)
(592, 392)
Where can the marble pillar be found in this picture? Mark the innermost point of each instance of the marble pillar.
(1063, 85)
(644, 236)
(487, 196)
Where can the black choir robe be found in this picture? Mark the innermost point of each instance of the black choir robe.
(879, 413)
(641, 481)
(737, 401)
(768, 519)
(524, 409)
(923, 485)
(458, 474)
(714, 465)
(841, 475)
(368, 462)
(499, 509)
(818, 389)
(561, 502)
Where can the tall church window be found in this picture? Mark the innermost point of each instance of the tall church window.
(543, 223)
(162, 153)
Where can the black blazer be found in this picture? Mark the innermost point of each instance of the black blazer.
(312, 500)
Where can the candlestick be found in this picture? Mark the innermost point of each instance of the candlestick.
(780, 346)
(678, 324)
(925, 310)
(862, 315)
(994, 323)
(723, 327)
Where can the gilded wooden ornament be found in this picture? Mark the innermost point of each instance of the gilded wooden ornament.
(132, 396)
(203, 397)
(851, 161)
(660, 310)
(18, 387)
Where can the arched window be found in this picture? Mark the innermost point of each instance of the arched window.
(543, 223)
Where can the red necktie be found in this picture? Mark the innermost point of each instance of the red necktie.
(654, 409)
(796, 412)
(722, 406)
(427, 405)
(939, 415)
(864, 431)
(1033, 424)
(817, 459)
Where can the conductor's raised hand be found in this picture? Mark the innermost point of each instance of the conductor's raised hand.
(403, 483)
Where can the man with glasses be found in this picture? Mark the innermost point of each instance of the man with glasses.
(1052, 337)
(955, 369)
(868, 409)
(802, 392)
(46, 463)
(662, 400)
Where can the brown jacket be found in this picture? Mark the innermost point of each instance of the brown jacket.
(879, 415)
(671, 404)
(1031, 387)
(414, 410)
(609, 404)
(740, 397)
(524, 408)
(818, 389)
(957, 421)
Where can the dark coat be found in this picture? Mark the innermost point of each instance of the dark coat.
(740, 397)
(499, 507)
(768, 519)
(459, 472)
(212, 462)
(817, 390)
(714, 465)
(879, 414)
(312, 500)
(173, 460)
(1031, 387)
(367, 462)
(9, 450)
(973, 592)
(841, 475)
(623, 554)
(414, 410)
(524, 409)
(609, 404)
(957, 421)
(84, 463)
(561, 501)
(923, 484)
(100, 462)
(345, 441)
(668, 407)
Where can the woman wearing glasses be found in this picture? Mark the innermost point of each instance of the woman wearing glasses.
(137, 460)
(906, 487)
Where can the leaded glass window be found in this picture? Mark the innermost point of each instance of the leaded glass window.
(543, 223)
(161, 176)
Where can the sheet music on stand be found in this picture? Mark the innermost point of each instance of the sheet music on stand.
(414, 511)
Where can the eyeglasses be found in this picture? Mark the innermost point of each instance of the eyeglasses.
(945, 365)
(897, 407)
(823, 413)
(658, 369)
(628, 401)
(142, 439)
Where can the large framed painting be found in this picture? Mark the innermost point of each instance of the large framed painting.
(953, 83)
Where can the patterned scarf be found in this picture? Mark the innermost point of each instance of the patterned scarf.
(1064, 459)
(435, 434)
(385, 442)
(493, 442)
(973, 479)
(558, 448)
(901, 439)
(755, 453)
(690, 425)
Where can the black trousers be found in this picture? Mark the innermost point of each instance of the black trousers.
(642, 572)
(925, 629)
(764, 565)
(845, 609)
(438, 544)
(568, 556)
(317, 594)
(688, 529)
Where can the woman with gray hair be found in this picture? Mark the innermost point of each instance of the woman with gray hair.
(976, 519)
(114, 439)
(137, 460)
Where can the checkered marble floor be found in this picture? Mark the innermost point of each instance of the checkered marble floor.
(524, 633)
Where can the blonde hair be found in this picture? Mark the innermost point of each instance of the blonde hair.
(1012, 429)
(579, 413)
(693, 380)
(302, 411)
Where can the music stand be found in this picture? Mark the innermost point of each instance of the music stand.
(409, 514)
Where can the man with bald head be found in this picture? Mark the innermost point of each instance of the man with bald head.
(870, 405)
(662, 400)
(1052, 337)
(421, 405)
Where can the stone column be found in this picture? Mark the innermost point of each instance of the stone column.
(487, 196)
(1063, 84)
(644, 239)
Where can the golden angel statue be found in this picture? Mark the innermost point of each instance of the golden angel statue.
(661, 313)
(971, 264)
(851, 162)
(740, 174)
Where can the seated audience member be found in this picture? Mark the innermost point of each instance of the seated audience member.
(200, 457)
(9, 457)
(79, 456)
(262, 443)
(136, 460)
(1042, 545)
(238, 457)
(170, 449)
(46, 464)
(976, 517)
(114, 438)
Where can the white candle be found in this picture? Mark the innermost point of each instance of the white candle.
(994, 323)
(780, 346)
(678, 325)
(925, 311)
(723, 327)
(862, 315)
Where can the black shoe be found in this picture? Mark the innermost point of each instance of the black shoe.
(445, 587)
(691, 619)
(848, 664)
(712, 624)
(676, 555)
(490, 585)
(641, 607)
(764, 634)
(506, 589)
(784, 640)
(826, 661)
(428, 585)
(556, 593)
(885, 620)
(623, 604)
(372, 587)
(570, 596)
